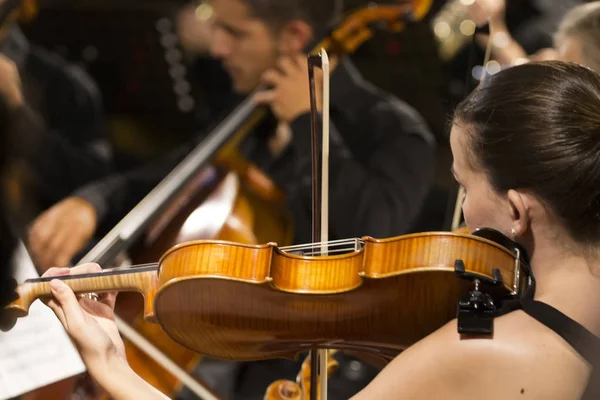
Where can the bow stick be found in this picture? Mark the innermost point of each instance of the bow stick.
(460, 196)
(320, 197)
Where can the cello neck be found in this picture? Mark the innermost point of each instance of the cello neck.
(134, 223)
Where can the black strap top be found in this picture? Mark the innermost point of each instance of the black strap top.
(582, 340)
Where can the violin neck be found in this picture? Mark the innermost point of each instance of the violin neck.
(140, 279)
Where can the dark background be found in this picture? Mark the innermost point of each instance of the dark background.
(119, 43)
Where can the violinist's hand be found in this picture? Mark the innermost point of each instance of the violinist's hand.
(61, 232)
(289, 95)
(492, 10)
(91, 324)
(10, 82)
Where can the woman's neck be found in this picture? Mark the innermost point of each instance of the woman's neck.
(567, 282)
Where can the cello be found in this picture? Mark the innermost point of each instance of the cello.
(215, 194)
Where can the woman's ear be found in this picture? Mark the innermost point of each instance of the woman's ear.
(519, 211)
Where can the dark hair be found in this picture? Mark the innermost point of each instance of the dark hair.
(8, 240)
(536, 127)
(319, 14)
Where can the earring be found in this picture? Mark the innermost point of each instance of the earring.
(513, 231)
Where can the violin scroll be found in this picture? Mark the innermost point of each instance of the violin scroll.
(359, 26)
(141, 279)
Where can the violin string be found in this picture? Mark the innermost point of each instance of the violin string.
(352, 241)
(329, 252)
(130, 267)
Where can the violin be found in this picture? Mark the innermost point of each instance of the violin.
(376, 295)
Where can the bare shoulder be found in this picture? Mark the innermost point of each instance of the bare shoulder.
(522, 360)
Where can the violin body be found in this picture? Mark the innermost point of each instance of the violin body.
(253, 302)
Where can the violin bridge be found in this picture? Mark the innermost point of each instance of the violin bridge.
(331, 247)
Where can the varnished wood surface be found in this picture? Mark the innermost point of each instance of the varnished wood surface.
(325, 274)
(224, 299)
(432, 250)
(140, 282)
(232, 306)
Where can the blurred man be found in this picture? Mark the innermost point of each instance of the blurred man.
(382, 151)
(61, 118)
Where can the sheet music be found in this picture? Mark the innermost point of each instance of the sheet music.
(37, 351)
